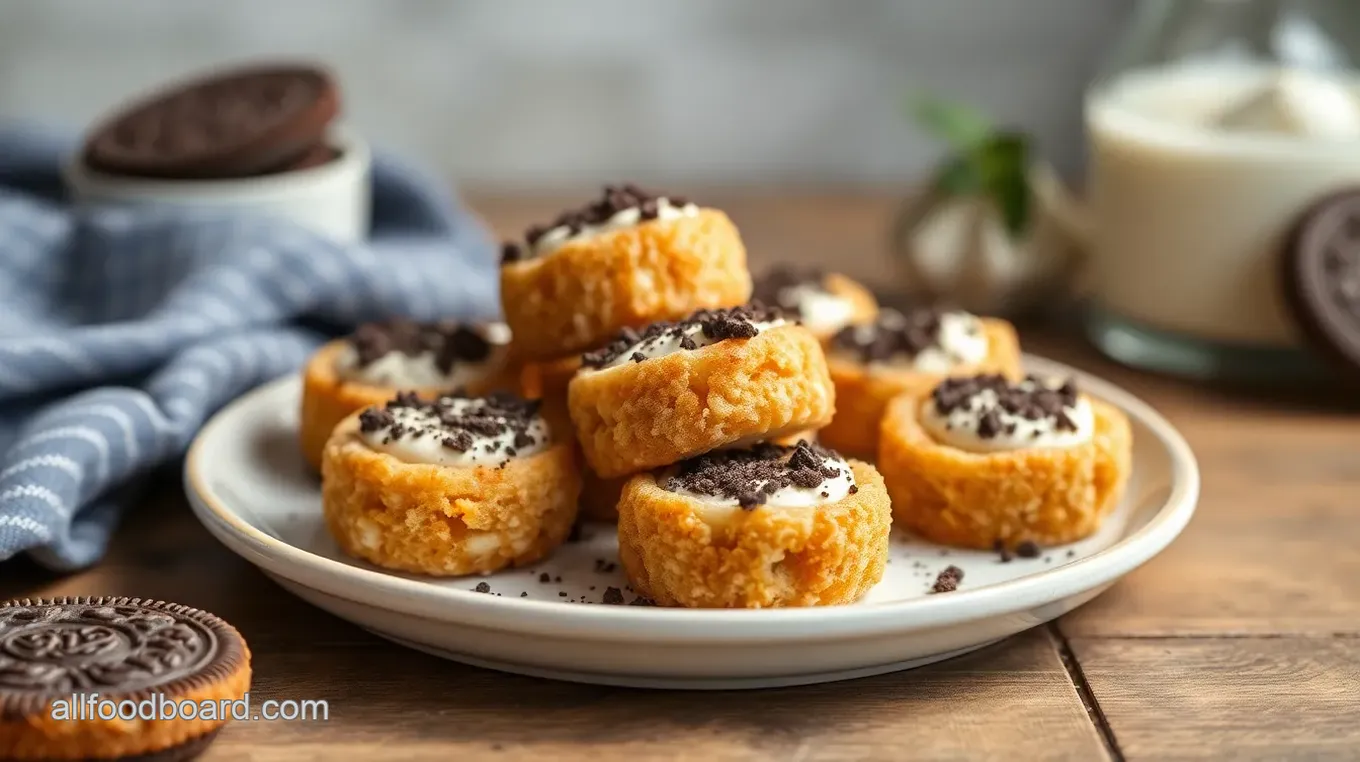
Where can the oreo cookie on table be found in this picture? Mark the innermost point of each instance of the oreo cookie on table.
(237, 123)
(136, 655)
(1320, 273)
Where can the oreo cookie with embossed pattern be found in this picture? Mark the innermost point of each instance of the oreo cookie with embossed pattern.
(239, 123)
(1320, 272)
(137, 656)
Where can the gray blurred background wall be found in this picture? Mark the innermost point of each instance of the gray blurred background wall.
(510, 94)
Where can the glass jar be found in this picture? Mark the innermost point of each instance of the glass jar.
(1213, 127)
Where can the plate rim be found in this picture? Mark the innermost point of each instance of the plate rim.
(415, 597)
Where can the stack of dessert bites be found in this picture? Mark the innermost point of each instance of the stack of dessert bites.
(675, 389)
(650, 387)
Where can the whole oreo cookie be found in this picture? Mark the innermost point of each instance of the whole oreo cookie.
(1321, 277)
(72, 670)
(239, 123)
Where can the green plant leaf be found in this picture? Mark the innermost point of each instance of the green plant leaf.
(1003, 164)
(1012, 196)
(958, 177)
(961, 127)
(983, 160)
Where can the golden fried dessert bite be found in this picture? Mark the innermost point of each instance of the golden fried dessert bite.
(871, 363)
(755, 527)
(371, 365)
(983, 461)
(715, 379)
(449, 486)
(631, 258)
(822, 302)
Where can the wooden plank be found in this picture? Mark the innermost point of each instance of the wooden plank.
(1227, 698)
(1012, 701)
(1265, 551)
(1267, 554)
(162, 552)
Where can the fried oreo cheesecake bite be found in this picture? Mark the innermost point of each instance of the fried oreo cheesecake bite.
(679, 389)
(97, 678)
(755, 527)
(871, 363)
(547, 382)
(822, 302)
(631, 258)
(984, 462)
(449, 486)
(378, 360)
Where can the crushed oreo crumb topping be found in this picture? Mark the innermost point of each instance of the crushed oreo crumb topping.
(1028, 549)
(948, 580)
(750, 476)
(891, 334)
(715, 325)
(482, 587)
(1031, 399)
(999, 547)
(614, 199)
(777, 286)
(613, 596)
(449, 341)
(456, 421)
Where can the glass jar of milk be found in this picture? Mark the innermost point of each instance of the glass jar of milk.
(1216, 124)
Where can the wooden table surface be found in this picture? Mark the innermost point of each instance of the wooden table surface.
(1242, 641)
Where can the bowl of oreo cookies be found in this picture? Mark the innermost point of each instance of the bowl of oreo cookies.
(261, 139)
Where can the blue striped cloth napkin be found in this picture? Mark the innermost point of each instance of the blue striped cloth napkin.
(122, 330)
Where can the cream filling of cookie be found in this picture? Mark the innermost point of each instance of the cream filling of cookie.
(670, 342)
(961, 342)
(960, 427)
(475, 542)
(627, 218)
(399, 370)
(478, 543)
(833, 489)
(820, 310)
(423, 434)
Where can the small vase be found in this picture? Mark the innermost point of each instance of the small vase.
(955, 249)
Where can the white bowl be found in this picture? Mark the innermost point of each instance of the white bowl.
(250, 488)
(333, 199)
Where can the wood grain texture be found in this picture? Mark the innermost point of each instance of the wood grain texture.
(1012, 701)
(1270, 553)
(1227, 698)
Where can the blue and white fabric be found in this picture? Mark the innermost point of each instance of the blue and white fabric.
(122, 330)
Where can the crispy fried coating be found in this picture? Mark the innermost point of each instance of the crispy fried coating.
(582, 294)
(654, 413)
(973, 500)
(679, 551)
(328, 399)
(446, 520)
(863, 393)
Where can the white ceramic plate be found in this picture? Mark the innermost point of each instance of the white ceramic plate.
(252, 490)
